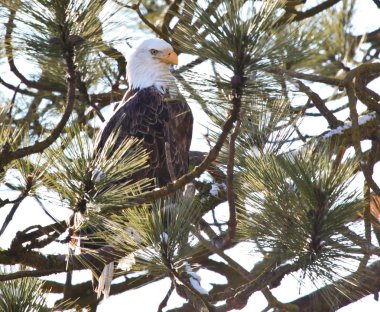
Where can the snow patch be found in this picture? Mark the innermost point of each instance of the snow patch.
(164, 237)
(97, 175)
(216, 188)
(348, 124)
(127, 262)
(195, 279)
(255, 151)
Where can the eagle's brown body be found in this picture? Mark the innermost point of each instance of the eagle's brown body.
(163, 125)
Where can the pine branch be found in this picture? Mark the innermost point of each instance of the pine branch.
(27, 235)
(274, 303)
(119, 58)
(333, 111)
(136, 8)
(214, 249)
(315, 10)
(28, 273)
(361, 76)
(11, 213)
(102, 100)
(357, 287)
(184, 288)
(240, 298)
(83, 295)
(170, 12)
(352, 100)
(319, 104)
(164, 302)
(356, 138)
(186, 67)
(186, 18)
(9, 52)
(309, 77)
(14, 88)
(57, 263)
(83, 90)
(6, 155)
(292, 15)
(230, 185)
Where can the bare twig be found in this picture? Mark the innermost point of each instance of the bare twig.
(233, 264)
(361, 76)
(16, 204)
(14, 88)
(136, 8)
(28, 273)
(83, 90)
(186, 67)
(315, 10)
(352, 101)
(164, 302)
(292, 15)
(274, 303)
(319, 104)
(356, 134)
(13, 100)
(309, 77)
(10, 215)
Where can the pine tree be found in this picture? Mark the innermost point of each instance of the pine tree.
(303, 197)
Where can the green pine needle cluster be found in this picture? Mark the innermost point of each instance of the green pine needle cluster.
(99, 182)
(297, 205)
(23, 295)
(158, 235)
(243, 38)
(10, 136)
(45, 30)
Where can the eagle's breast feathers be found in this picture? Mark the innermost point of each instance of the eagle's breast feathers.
(163, 125)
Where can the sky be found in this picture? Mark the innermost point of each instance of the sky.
(147, 298)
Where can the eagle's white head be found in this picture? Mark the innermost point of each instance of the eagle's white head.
(149, 64)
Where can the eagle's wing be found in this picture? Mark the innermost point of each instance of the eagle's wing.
(178, 134)
(142, 115)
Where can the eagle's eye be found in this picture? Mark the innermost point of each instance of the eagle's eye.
(153, 51)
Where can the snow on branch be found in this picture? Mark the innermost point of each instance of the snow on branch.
(363, 119)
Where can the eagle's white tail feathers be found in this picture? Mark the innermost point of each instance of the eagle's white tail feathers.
(105, 281)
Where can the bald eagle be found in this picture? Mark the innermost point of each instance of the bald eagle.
(148, 112)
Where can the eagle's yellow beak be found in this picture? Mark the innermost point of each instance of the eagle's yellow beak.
(170, 57)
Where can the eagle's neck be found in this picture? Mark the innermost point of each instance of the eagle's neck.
(142, 75)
